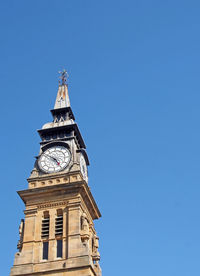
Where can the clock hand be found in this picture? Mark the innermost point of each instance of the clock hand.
(54, 159)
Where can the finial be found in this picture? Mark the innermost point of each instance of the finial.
(64, 77)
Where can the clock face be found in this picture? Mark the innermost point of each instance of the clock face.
(83, 168)
(54, 159)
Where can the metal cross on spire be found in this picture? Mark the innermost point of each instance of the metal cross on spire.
(64, 77)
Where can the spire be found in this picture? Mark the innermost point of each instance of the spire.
(62, 99)
(63, 125)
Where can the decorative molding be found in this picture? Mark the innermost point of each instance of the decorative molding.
(30, 211)
(52, 205)
(63, 176)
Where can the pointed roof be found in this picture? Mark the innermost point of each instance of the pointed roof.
(62, 99)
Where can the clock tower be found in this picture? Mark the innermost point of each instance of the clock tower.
(57, 235)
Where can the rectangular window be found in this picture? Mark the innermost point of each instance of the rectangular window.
(45, 250)
(59, 248)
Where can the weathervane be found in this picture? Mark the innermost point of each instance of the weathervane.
(64, 77)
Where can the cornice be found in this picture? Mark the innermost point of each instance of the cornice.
(34, 196)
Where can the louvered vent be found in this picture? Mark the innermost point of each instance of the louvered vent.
(59, 225)
(45, 228)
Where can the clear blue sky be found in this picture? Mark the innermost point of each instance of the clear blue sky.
(135, 91)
